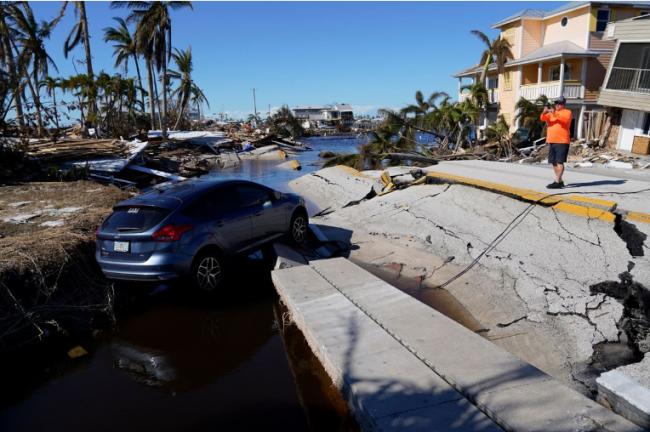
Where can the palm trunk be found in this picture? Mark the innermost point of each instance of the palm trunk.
(164, 91)
(155, 89)
(37, 102)
(137, 68)
(181, 111)
(56, 112)
(152, 109)
(92, 108)
(14, 79)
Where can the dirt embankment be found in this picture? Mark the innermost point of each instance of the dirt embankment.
(49, 281)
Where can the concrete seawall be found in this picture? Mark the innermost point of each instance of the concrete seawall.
(403, 366)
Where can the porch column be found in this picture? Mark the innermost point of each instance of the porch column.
(518, 82)
(581, 122)
(562, 76)
(460, 84)
(539, 72)
(583, 77)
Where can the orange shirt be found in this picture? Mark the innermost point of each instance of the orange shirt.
(557, 126)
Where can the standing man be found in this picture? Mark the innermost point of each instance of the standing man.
(558, 137)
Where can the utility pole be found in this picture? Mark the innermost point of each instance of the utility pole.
(269, 110)
(254, 103)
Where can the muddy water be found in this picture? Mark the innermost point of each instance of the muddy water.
(178, 361)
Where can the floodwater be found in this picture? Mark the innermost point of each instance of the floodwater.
(178, 361)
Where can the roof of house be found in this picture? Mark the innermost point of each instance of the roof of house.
(566, 7)
(343, 107)
(553, 50)
(474, 70)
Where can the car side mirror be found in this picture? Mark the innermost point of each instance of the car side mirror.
(277, 195)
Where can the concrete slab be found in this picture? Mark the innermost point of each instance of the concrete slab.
(515, 394)
(627, 390)
(389, 388)
(335, 187)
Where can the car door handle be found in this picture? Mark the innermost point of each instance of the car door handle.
(258, 213)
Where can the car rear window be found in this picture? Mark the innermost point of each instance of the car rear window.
(134, 219)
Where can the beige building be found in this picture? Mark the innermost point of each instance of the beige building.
(627, 85)
(561, 52)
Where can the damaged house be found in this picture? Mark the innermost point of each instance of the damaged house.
(627, 86)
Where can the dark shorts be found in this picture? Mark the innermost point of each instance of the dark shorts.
(557, 153)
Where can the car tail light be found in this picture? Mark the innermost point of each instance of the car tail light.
(171, 233)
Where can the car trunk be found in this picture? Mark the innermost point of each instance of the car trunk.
(126, 234)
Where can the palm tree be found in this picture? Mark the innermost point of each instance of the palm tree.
(478, 94)
(7, 57)
(186, 85)
(528, 114)
(80, 33)
(154, 29)
(51, 84)
(31, 36)
(124, 47)
(198, 98)
(496, 51)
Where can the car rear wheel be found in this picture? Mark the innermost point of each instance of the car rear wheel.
(208, 272)
(298, 227)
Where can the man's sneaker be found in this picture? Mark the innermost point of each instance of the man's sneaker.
(555, 185)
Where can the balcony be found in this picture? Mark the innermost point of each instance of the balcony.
(629, 79)
(552, 90)
(493, 96)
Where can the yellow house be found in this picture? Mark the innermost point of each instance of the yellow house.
(560, 52)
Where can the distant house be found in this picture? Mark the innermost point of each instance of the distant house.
(627, 86)
(326, 115)
(561, 52)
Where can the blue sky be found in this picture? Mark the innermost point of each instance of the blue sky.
(368, 54)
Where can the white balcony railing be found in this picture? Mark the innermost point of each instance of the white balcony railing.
(493, 96)
(629, 79)
(551, 89)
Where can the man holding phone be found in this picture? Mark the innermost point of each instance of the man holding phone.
(558, 137)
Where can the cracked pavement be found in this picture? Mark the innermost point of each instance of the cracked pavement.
(535, 281)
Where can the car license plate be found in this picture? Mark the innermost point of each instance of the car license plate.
(121, 246)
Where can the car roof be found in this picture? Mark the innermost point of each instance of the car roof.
(172, 195)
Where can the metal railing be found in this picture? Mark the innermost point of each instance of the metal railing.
(629, 79)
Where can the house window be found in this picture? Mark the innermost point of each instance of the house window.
(602, 18)
(493, 82)
(564, 22)
(554, 72)
(507, 80)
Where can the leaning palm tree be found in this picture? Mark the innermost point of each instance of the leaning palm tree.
(124, 47)
(7, 57)
(496, 51)
(30, 37)
(80, 34)
(154, 29)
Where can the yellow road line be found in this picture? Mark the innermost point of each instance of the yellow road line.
(588, 207)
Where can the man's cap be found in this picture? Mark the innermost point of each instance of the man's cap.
(560, 100)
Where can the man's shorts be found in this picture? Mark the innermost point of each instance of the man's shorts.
(557, 153)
